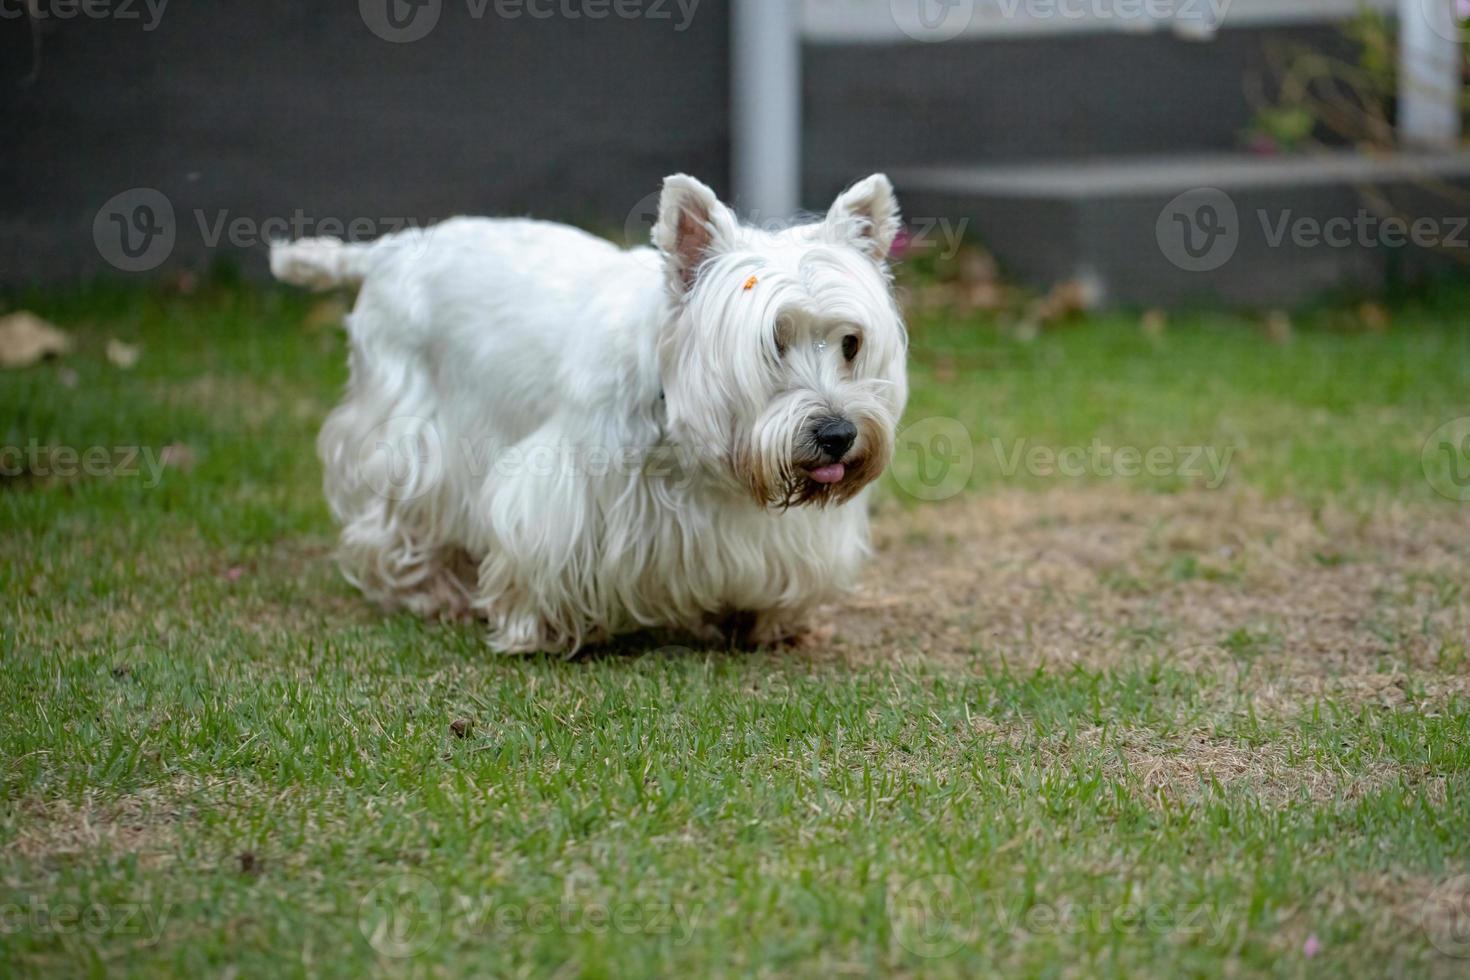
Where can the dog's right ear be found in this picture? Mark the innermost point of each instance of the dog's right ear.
(692, 223)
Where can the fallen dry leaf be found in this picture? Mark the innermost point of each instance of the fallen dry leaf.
(1278, 327)
(176, 456)
(977, 266)
(328, 313)
(25, 339)
(1066, 299)
(1374, 316)
(1154, 323)
(123, 355)
(185, 283)
(985, 296)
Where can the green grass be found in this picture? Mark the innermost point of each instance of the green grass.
(1329, 412)
(216, 752)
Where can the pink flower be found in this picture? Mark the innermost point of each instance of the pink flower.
(1263, 144)
(1311, 947)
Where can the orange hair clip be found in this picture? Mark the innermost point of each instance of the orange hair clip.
(750, 283)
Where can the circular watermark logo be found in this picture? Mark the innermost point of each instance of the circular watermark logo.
(1445, 459)
(135, 230)
(932, 20)
(1446, 917)
(1446, 17)
(638, 228)
(402, 458)
(935, 458)
(400, 21)
(1199, 230)
(932, 916)
(401, 915)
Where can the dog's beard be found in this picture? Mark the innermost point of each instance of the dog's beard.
(780, 452)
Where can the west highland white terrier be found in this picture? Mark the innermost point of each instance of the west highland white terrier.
(573, 440)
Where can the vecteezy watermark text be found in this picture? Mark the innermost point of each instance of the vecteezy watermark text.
(67, 462)
(940, 237)
(935, 458)
(40, 916)
(1201, 229)
(941, 20)
(1445, 458)
(406, 21)
(1210, 464)
(1142, 11)
(137, 230)
(405, 914)
(935, 916)
(149, 13)
(405, 457)
(1363, 230)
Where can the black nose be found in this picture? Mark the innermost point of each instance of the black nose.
(835, 436)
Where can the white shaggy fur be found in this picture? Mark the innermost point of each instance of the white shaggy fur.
(573, 440)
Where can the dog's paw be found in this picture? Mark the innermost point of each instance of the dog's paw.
(770, 630)
(809, 637)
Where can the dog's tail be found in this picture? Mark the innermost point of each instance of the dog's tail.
(321, 263)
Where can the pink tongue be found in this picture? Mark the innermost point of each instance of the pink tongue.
(829, 474)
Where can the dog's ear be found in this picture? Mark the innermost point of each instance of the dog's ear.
(692, 223)
(866, 216)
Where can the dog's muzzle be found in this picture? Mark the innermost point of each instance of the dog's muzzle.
(833, 437)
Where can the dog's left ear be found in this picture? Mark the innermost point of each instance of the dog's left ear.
(866, 216)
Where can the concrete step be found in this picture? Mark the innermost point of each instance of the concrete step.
(1226, 229)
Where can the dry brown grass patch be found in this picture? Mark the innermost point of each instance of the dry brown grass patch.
(1314, 601)
(145, 824)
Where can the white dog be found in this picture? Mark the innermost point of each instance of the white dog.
(573, 440)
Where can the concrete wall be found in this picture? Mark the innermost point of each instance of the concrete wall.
(1057, 97)
(273, 117)
(273, 109)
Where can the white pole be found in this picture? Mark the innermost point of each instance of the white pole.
(765, 88)
(1429, 73)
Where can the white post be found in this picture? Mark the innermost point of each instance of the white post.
(765, 62)
(1429, 73)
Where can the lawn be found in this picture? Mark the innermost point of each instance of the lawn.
(1088, 716)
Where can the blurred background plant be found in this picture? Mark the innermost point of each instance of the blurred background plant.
(1319, 99)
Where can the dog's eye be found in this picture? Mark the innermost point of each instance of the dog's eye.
(850, 345)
